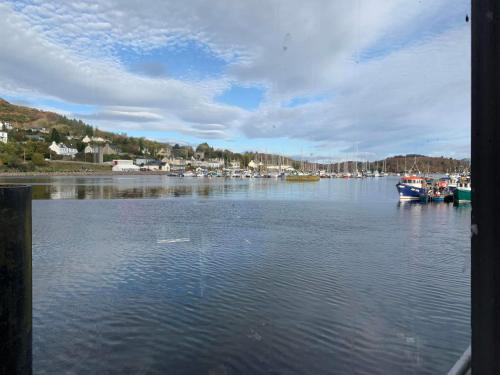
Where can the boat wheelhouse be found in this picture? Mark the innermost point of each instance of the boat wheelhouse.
(411, 187)
(463, 192)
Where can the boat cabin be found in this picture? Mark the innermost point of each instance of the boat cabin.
(413, 181)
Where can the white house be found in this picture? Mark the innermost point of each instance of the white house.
(3, 137)
(5, 125)
(63, 150)
(235, 164)
(91, 149)
(215, 163)
(88, 139)
(124, 166)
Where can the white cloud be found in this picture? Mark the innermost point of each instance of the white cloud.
(394, 73)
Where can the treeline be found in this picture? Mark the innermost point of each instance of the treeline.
(424, 164)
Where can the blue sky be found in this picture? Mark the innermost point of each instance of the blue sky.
(318, 79)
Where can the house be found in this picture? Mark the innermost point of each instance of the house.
(88, 139)
(41, 130)
(175, 164)
(199, 155)
(143, 161)
(35, 137)
(215, 163)
(124, 166)
(3, 137)
(235, 164)
(63, 150)
(154, 165)
(164, 153)
(109, 150)
(91, 149)
(5, 125)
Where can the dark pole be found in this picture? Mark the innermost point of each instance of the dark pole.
(15, 280)
(485, 228)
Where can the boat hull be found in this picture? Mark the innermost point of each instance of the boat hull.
(409, 192)
(462, 195)
(302, 178)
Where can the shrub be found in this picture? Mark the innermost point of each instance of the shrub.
(37, 159)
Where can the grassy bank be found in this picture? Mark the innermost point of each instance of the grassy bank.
(55, 167)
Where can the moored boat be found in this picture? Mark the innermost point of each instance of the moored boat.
(302, 178)
(463, 191)
(411, 187)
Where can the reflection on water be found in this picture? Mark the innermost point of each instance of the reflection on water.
(245, 277)
(134, 187)
(112, 187)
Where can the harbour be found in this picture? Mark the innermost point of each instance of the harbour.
(211, 275)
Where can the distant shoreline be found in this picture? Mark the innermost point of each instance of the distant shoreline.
(82, 173)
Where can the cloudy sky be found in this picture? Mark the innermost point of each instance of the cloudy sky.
(323, 78)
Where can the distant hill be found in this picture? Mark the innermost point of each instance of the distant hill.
(424, 164)
(30, 118)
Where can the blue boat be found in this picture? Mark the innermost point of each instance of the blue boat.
(437, 198)
(411, 188)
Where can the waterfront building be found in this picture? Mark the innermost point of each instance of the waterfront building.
(175, 164)
(124, 166)
(234, 164)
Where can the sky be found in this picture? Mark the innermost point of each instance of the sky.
(322, 79)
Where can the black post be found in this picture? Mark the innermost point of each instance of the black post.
(485, 182)
(15, 280)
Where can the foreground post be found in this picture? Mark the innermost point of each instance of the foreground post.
(15, 280)
(485, 181)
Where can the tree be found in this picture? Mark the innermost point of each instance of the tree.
(37, 159)
(55, 136)
(89, 130)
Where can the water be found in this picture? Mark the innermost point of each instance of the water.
(213, 276)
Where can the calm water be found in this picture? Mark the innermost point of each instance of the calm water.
(198, 276)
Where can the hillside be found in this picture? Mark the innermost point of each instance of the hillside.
(31, 131)
(424, 164)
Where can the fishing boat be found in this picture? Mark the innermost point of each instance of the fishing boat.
(463, 192)
(411, 187)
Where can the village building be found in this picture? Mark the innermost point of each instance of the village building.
(40, 130)
(164, 153)
(235, 164)
(62, 150)
(88, 139)
(35, 137)
(5, 125)
(124, 166)
(109, 150)
(175, 164)
(3, 137)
